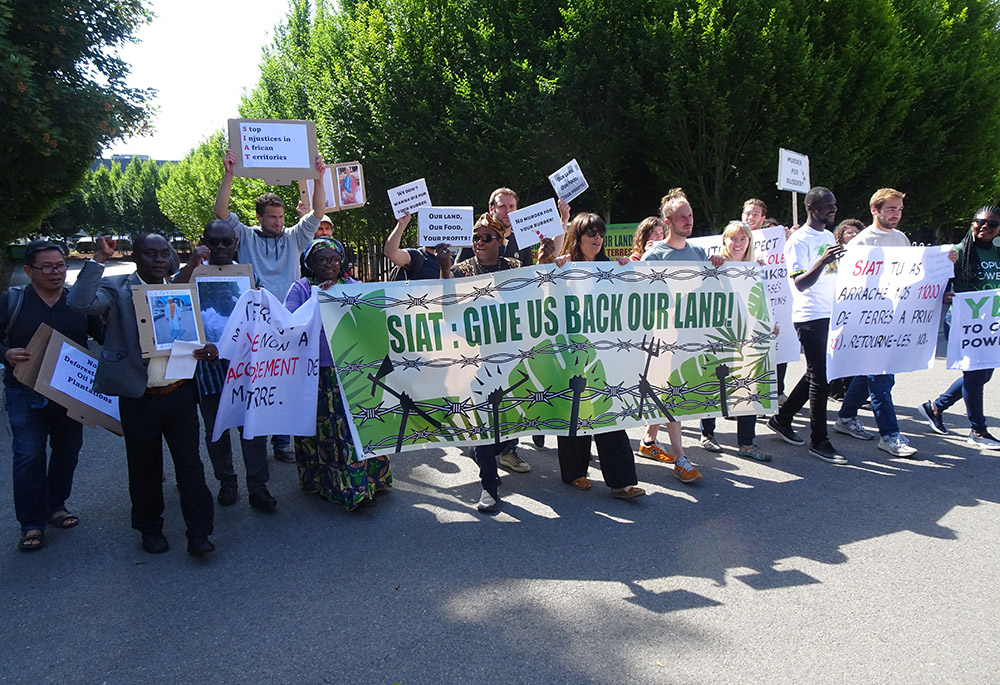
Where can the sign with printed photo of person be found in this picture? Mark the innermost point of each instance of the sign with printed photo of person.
(164, 314)
(218, 289)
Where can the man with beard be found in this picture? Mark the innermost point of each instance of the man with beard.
(811, 254)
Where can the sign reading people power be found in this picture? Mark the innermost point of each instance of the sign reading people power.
(537, 221)
(450, 225)
(409, 197)
(769, 247)
(582, 349)
(887, 310)
(273, 355)
(974, 341)
(568, 181)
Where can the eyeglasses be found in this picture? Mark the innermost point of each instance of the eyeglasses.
(49, 269)
(593, 232)
(477, 238)
(327, 261)
(215, 242)
(989, 223)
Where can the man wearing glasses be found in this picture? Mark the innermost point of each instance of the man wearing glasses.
(41, 486)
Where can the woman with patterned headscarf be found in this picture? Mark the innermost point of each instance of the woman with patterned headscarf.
(328, 464)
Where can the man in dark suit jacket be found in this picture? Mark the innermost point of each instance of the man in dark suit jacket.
(151, 407)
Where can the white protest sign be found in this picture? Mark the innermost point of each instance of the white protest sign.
(274, 145)
(537, 221)
(768, 247)
(451, 225)
(273, 354)
(974, 340)
(409, 197)
(793, 171)
(886, 310)
(73, 375)
(568, 181)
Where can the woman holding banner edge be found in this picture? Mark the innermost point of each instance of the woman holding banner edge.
(976, 255)
(327, 462)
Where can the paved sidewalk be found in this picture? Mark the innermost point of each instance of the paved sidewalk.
(795, 571)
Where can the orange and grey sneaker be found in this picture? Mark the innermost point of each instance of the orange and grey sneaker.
(685, 471)
(654, 451)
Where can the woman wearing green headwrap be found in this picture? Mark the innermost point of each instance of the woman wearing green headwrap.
(328, 464)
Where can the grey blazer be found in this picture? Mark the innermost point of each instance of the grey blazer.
(121, 370)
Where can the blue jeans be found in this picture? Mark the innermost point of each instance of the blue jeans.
(41, 484)
(485, 454)
(880, 389)
(968, 387)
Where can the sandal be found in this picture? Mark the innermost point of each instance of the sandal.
(581, 483)
(627, 493)
(31, 540)
(64, 519)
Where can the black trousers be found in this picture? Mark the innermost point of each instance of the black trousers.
(812, 386)
(146, 422)
(614, 451)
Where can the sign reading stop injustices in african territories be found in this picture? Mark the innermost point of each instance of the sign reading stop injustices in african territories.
(585, 348)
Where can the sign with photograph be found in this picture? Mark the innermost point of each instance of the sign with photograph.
(165, 313)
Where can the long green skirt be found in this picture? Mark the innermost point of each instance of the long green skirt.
(328, 464)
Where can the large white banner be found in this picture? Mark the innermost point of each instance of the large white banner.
(974, 340)
(769, 247)
(887, 310)
(273, 354)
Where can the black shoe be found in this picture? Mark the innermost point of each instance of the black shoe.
(824, 450)
(935, 419)
(489, 503)
(786, 432)
(200, 545)
(228, 493)
(539, 440)
(263, 500)
(155, 543)
(284, 454)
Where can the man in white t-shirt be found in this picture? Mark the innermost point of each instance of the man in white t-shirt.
(887, 209)
(811, 254)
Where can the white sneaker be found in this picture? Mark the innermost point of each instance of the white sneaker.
(897, 445)
(851, 427)
(488, 504)
(984, 440)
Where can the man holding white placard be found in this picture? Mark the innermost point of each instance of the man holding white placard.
(272, 249)
(886, 206)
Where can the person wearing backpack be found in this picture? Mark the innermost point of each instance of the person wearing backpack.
(414, 264)
(42, 483)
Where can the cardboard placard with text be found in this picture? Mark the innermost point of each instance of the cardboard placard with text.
(279, 151)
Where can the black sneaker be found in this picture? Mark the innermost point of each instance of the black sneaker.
(786, 432)
(263, 500)
(283, 453)
(155, 542)
(824, 450)
(935, 419)
(488, 503)
(228, 493)
(539, 440)
(200, 545)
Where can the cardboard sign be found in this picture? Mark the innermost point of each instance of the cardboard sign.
(63, 372)
(974, 340)
(451, 225)
(537, 221)
(272, 382)
(218, 289)
(793, 171)
(568, 182)
(166, 312)
(344, 185)
(279, 151)
(409, 198)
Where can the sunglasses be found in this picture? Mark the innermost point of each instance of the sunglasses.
(989, 223)
(215, 242)
(488, 238)
(593, 232)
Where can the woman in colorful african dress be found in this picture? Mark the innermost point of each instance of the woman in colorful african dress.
(328, 464)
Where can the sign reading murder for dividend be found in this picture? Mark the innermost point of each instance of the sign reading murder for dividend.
(793, 171)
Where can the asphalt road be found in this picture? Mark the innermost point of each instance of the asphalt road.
(796, 571)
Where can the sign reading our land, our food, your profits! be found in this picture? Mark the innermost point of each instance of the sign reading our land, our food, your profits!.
(585, 348)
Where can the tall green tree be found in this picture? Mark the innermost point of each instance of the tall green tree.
(65, 98)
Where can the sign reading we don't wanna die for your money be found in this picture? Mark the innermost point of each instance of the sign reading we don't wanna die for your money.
(585, 348)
